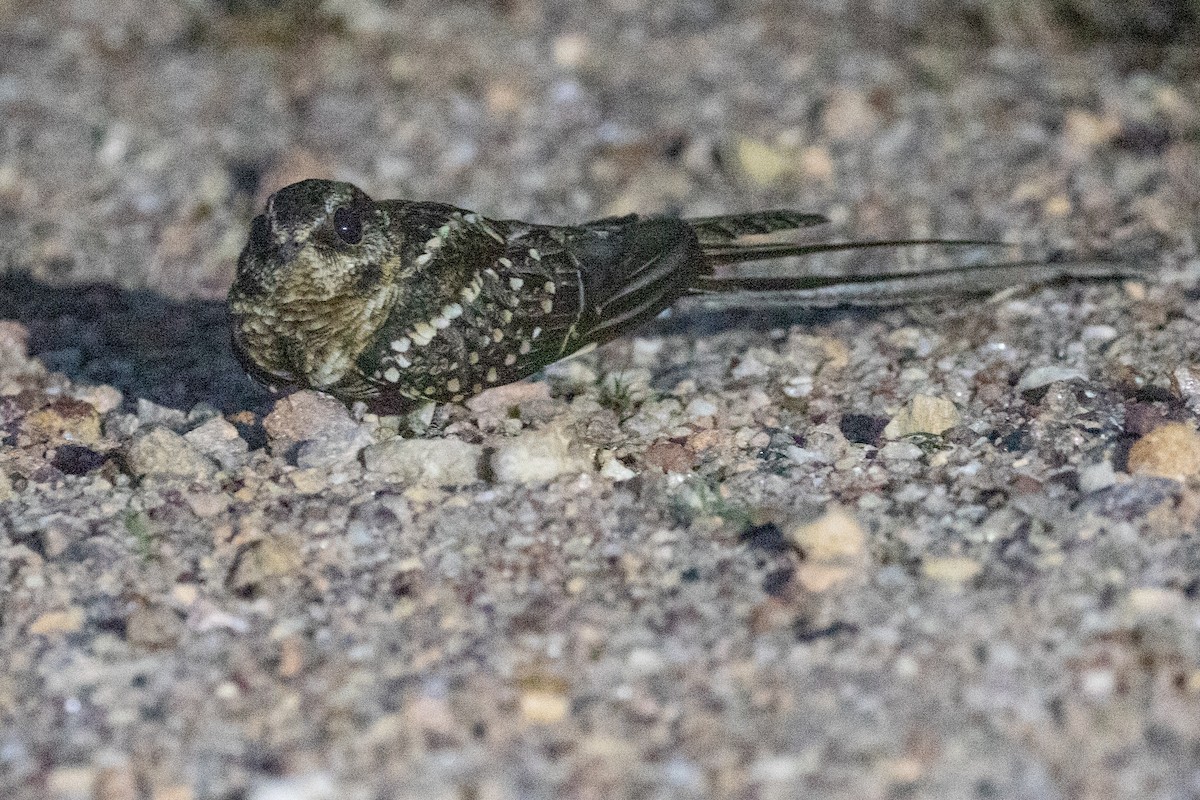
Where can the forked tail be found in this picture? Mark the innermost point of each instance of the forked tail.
(722, 242)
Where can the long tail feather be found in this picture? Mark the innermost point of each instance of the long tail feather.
(897, 288)
(733, 254)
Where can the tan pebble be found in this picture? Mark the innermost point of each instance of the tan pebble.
(1169, 451)
(764, 164)
(903, 769)
(630, 566)
(837, 353)
(1154, 600)
(14, 341)
(54, 623)
(706, 440)
(544, 706)
(502, 398)
(102, 398)
(163, 453)
(65, 419)
(178, 791)
(817, 164)
(771, 614)
(539, 456)
(313, 480)
(570, 50)
(264, 560)
(821, 577)
(835, 536)
(291, 656)
(923, 414)
(185, 593)
(505, 98)
(1084, 132)
(668, 456)
(206, 504)
(950, 569)
(430, 462)
(1057, 206)
(68, 783)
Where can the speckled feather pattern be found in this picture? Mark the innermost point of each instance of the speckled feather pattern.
(432, 302)
(398, 303)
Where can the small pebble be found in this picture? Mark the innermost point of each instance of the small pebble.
(617, 472)
(153, 628)
(701, 407)
(539, 457)
(1169, 451)
(265, 561)
(55, 623)
(115, 783)
(1039, 377)
(668, 456)
(900, 451)
(311, 786)
(544, 706)
(765, 164)
(64, 419)
(14, 344)
(923, 414)
(954, 570)
(513, 395)
(307, 415)
(219, 440)
(434, 462)
(1154, 600)
(102, 398)
(836, 535)
(161, 452)
(1094, 477)
(151, 413)
(336, 447)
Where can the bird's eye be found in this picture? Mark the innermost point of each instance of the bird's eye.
(347, 221)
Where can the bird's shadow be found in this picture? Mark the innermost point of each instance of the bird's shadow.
(172, 352)
(177, 353)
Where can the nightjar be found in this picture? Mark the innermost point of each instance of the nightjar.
(397, 303)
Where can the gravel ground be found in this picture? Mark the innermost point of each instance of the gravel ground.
(947, 551)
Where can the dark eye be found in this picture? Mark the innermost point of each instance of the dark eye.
(347, 222)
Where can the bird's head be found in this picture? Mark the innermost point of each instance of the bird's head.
(312, 282)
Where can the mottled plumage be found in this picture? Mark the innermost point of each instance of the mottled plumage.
(398, 303)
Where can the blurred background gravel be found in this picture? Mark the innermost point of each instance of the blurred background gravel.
(936, 552)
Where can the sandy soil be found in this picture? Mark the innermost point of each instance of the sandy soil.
(943, 551)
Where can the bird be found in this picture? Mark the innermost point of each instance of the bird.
(399, 303)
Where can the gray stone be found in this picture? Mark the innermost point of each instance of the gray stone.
(160, 452)
(437, 462)
(539, 457)
(219, 440)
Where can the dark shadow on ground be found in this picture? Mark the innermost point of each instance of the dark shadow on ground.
(175, 353)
